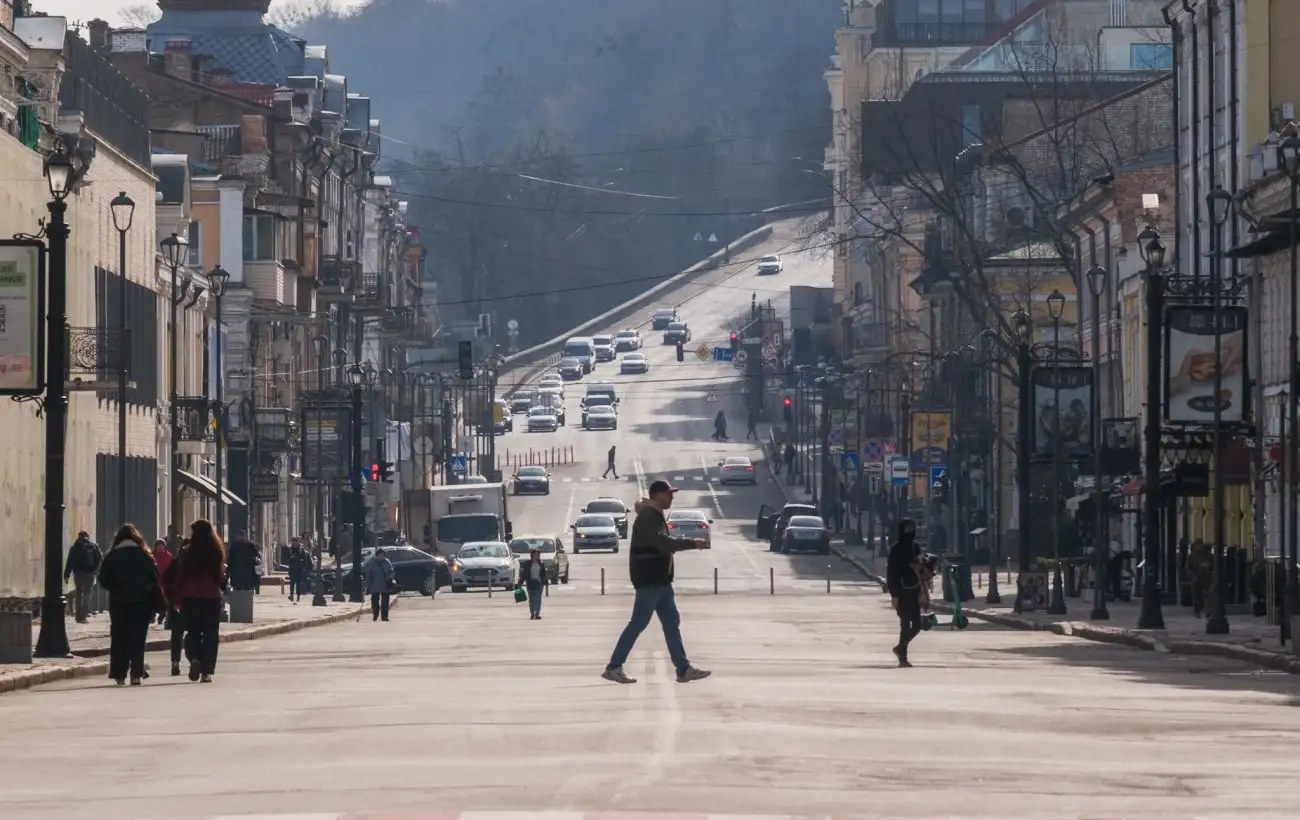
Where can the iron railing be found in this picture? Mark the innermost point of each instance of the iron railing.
(104, 352)
(932, 34)
(194, 419)
(222, 141)
(368, 288)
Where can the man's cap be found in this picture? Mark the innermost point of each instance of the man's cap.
(661, 486)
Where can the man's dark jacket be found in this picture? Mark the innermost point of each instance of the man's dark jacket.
(651, 547)
(84, 556)
(900, 575)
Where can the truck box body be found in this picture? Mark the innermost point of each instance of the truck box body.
(451, 515)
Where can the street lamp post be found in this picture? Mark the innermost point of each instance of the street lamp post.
(1152, 251)
(1024, 326)
(52, 642)
(175, 251)
(991, 341)
(318, 584)
(1096, 277)
(218, 279)
(123, 208)
(357, 378)
(1289, 159)
(1219, 203)
(1055, 309)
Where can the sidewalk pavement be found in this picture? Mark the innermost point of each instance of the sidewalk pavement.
(1250, 640)
(272, 615)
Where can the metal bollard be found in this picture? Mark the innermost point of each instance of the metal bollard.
(715, 580)
(828, 579)
(771, 581)
(491, 583)
(602, 580)
(548, 590)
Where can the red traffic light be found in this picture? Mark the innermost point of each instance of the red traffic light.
(374, 472)
(733, 336)
(787, 401)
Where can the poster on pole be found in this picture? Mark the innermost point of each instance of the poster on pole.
(1062, 411)
(325, 439)
(22, 317)
(931, 430)
(1191, 366)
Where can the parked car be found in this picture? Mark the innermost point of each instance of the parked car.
(770, 264)
(532, 481)
(772, 523)
(806, 533)
(414, 570)
(662, 317)
(554, 558)
(627, 340)
(677, 332)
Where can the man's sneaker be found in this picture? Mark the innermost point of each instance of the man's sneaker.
(691, 673)
(194, 671)
(616, 675)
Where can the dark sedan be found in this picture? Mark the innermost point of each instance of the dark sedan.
(772, 523)
(532, 481)
(612, 507)
(677, 332)
(806, 533)
(413, 569)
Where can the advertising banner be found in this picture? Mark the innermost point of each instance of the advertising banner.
(1062, 412)
(931, 430)
(22, 317)
(1190, 364)
(1120, 451)
(326, 428)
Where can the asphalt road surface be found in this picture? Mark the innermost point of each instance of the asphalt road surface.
(462, 704)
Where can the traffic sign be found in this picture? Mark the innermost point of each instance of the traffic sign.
(899, 468)
(849, 462)
(713, 237)
(874, 451)
(712, 397)
(423, 446)
(873, 466)
(513, 324)
(699, 237)
(460, 463)
(722, 354)
(937, 473)
(703, 353)
(739, 358)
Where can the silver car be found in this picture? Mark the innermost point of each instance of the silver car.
(595, 532)
(633, 363)
(738, 470)
(484, 564)
(690, 524)
(543, 419)
(600, 417)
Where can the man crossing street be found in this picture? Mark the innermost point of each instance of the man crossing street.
(610, 468)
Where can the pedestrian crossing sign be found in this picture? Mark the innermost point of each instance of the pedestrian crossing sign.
(712, 397)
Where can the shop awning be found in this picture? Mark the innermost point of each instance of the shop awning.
(208, 487)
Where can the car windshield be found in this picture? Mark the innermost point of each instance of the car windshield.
(483, 551)
(602, 340)
(801, 509)
(626, 334)
(677, 326)
(594, 399)
(470, 527)
(609, 506)
(634, 357)
(809, 521)
(540, 411)
(595, 521)
(687, 515)
(770, 259)
(601, 410)
(524, 395)
(523, 546)
(577, 349)
(736, 461)
(570, 361)
(665, 312)
(532, 472)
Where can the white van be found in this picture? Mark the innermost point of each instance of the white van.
(583, 349)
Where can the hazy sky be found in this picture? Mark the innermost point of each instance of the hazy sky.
(84, 10)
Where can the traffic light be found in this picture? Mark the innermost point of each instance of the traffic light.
(681, 353)
(465, 359)
(735, 341)
(787, 411)
(386, 472)
(374, 472)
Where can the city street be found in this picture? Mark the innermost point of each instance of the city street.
(463, 704)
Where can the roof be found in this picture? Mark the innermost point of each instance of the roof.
(1032, 252)
(239, 41)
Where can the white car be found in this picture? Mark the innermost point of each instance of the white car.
(554, 380)
(690, 524)
(737, 470)
(633, 363)
(543, 419)
(484, 564)
(627, 340)
(770, 264)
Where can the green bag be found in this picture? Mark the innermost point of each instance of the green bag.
(520, 595)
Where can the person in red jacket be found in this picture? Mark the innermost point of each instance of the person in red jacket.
(163, 557)
(200, 583)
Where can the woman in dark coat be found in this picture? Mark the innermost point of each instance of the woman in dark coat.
(130, 575)
(200, 583)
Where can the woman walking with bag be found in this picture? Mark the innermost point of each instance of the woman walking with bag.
(533, 576)
(130, 575)
(200, 581)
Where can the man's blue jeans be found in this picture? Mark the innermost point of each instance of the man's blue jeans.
(649, 601)
(535, 593)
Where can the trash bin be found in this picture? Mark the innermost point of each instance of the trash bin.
(957, 563)
(239, 603)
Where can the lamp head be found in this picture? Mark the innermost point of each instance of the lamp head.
(58, 172)
(123, 208)
(218, 278)
(1023, 324)
(175, 250)
(355, 375)
(1056, 304)
(1155, 253)
(1096, 277)
(1219, 204)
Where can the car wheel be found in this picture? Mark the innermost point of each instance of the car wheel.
(576, 551)
(616, 550)
(547, 492)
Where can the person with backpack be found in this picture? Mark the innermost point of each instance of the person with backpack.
(903, 580)
(83, 562)
(130, 575)
(299, 560)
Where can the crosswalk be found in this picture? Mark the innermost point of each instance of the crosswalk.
(726, 586)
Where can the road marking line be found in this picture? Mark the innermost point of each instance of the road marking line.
(640, 478)
(568, 511)
(717, 505)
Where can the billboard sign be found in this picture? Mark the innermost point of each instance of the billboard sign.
(931, 430)
(326, 439)
(1062, 411)
(22, 317)
(1191, 366)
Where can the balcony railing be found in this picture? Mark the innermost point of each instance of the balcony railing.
(102, 352)
(932, 34)
(194, 419)
(368, 289)
(336, 279)
(222, 141)
(398, 321)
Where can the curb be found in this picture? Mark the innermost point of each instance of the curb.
(68, 671)
(1117, 636)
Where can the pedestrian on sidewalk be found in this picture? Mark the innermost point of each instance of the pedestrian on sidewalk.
(130, 575)
(789, 455)
(610, 466)
(535, 580)
(651, 551)
(163, 557)
(720, 426)
(84, 557)
(299, 561)
(380, 580)
(241, 562)
(1200, 574)
(751, 432)
(200, 582)
(173, 621)
(903, 579)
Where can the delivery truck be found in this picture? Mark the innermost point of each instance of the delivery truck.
(445, 517)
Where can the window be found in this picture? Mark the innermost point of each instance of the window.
(972, 125)
(927, 11)
(1151, 57)
(259, 237)
(196, 249)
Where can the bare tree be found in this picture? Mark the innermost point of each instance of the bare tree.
(138, 15)
(291, 14)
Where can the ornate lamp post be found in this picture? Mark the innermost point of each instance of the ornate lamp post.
(1219, 204)
(357, 506)
(1152, 251)
(175, 253)
(1097, 277)
(123, 208)
(1055, 309)
(1024, 327)
(218, 279)
(1288, 154)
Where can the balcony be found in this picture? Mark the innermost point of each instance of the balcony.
(398, 322)
(336, 279)
(222, 141)
(272, 284)
(275, 433)
(194, 422)
(368, 290)
(932, 34)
